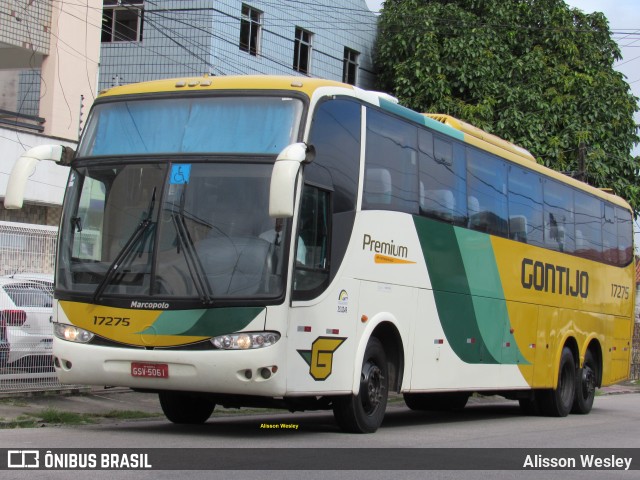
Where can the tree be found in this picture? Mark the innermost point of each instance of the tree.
(534, 72)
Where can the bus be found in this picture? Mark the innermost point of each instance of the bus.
(303, 244)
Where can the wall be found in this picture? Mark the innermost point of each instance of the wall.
(70, 71)
(194, 37)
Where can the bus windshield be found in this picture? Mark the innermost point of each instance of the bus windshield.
(191, 231)
(192, 125)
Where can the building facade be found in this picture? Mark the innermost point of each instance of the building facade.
(49, 56)
(50, 52)
(148, 40)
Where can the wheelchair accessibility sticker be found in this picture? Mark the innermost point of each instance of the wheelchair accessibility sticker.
(180, 174)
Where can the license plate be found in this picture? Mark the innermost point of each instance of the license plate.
(150, 370)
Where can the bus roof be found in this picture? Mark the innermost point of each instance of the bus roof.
(482, 135)
(448, 125)
(241, 82)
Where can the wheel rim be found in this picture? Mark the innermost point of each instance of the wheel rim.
(372, 387)
(588, 381)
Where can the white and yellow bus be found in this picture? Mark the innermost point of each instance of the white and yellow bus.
(305, 244)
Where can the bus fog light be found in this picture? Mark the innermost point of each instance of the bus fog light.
(245, 340)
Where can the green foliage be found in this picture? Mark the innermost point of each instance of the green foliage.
(534, 72)
(51, 415)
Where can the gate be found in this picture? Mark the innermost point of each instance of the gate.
(27, 261)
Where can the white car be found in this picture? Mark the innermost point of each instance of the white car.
(26, 315)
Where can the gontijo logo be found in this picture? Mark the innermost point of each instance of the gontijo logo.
(385, 252)
(320, 357)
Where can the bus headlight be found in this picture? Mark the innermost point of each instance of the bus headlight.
(71, 333)
(245, 340)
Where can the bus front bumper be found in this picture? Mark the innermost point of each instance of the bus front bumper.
(237, 372)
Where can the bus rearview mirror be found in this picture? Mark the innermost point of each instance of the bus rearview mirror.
(283, 179)
(26, 165)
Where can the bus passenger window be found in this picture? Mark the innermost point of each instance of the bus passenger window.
(559, 228)
(379, 187)
(442, 179)
(487, 190)
(390, 181)
(589, 214)
(525, 206)
(625, 234)
(609, 236)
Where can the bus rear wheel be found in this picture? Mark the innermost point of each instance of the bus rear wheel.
(558, 402)
(186, 408)
(586, 380)
(364, 412)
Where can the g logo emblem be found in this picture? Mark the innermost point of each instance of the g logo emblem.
(320, 357)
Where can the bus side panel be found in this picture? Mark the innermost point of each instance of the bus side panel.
(524, 319)
(556, 326)
(387, 303)
(546, 346)
(437, 366)
(322, 341)
(620, 351)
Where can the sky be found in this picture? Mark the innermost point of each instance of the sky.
(624, 23)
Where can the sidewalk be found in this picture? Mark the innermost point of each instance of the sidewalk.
(100, 405)
(96, 405)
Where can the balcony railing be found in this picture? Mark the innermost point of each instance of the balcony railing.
(22, 121)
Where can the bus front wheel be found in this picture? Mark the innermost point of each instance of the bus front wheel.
(364, 412)
(185, 408)
(558, 402)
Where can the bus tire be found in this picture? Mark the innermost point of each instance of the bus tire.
(559, 401)
(364, 412)
(445, 401)
(185, 408)
(586, 380)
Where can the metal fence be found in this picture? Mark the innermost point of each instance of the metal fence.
(635, 354)
(27, 260)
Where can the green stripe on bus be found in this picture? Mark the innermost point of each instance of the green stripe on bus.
(420, 119)
(468, 293)
(204, 322)
(451, 290)
(487, 294)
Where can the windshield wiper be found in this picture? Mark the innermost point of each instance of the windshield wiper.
(126, 251)
(194, 265)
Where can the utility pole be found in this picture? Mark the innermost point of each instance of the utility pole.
(582, 155)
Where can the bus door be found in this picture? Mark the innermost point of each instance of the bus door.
(322, 317)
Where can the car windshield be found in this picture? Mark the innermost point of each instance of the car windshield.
(29, 295)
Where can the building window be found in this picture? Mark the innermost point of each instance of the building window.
(250, 30)
(302, 51)
(350, 66)
(122, 20)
